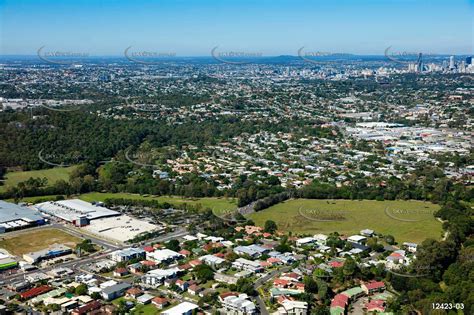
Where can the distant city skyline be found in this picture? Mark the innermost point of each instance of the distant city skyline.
(267, 28)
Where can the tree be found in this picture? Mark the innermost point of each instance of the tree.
(270, 226)
(283, 247)
(245, 285)
(86, 246)
(81, 289)
(204, 273)
(95, 295)
(434, 257)
(310, 286)
(322, 290)
(173, 245)
(390, 239)
(349, 267)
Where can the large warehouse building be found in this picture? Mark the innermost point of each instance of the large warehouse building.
(75, 211)
(97, 219)
(15, 217)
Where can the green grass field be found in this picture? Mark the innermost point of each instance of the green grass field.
(52, 174)
(36, 199)
(216, 204)
(148, 309)
(29, 241)
(407, 221)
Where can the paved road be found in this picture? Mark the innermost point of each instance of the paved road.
(261, 306)
(166, 237)
(247, 209)
(77, 263)
(81, 234)
(261, 281)
(69, 264)
(270, 275)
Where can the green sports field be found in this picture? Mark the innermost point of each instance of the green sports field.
(407, 221)
(52, 174)
(217, 204)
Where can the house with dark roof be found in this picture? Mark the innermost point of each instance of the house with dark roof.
(115, 291)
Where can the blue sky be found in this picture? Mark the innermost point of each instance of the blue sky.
(194, 27)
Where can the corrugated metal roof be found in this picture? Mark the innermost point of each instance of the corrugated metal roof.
(11, 212)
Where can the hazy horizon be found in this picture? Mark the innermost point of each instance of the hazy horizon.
(271, 28)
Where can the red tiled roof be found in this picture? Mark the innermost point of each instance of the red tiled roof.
(280, 282)
(299, 285)
(338, 303)
(374, 285)
(375, 305)
(148, 249)
(35, 292)
(159, 300)
(226, 294)
(184, 267)
(265, 264)
(283, 298)
(195, 262)
(83, 309)
(342, 298)
(134, 291)
(185, 252)
(148, 263)
(292, 275)
(336, 264)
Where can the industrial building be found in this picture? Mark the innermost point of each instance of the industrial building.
(97, 219)
(75, 211)
(121, 228)
(7, 263)
(54, 250)
(15, 217)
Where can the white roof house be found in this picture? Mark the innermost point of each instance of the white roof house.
(184, 308)
(367, 232)
(320, 238)
(212, 260)
(293, 307)
(239, 304)
(190, 238)
(304, 241)
(157, 276)
(356, 238)
(162, 255)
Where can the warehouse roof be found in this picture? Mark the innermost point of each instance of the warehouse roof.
(72, 209)
(11, 212)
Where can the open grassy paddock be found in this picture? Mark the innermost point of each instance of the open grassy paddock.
(27, 241)
(216, 204)
(407, 221)
(52, 174)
